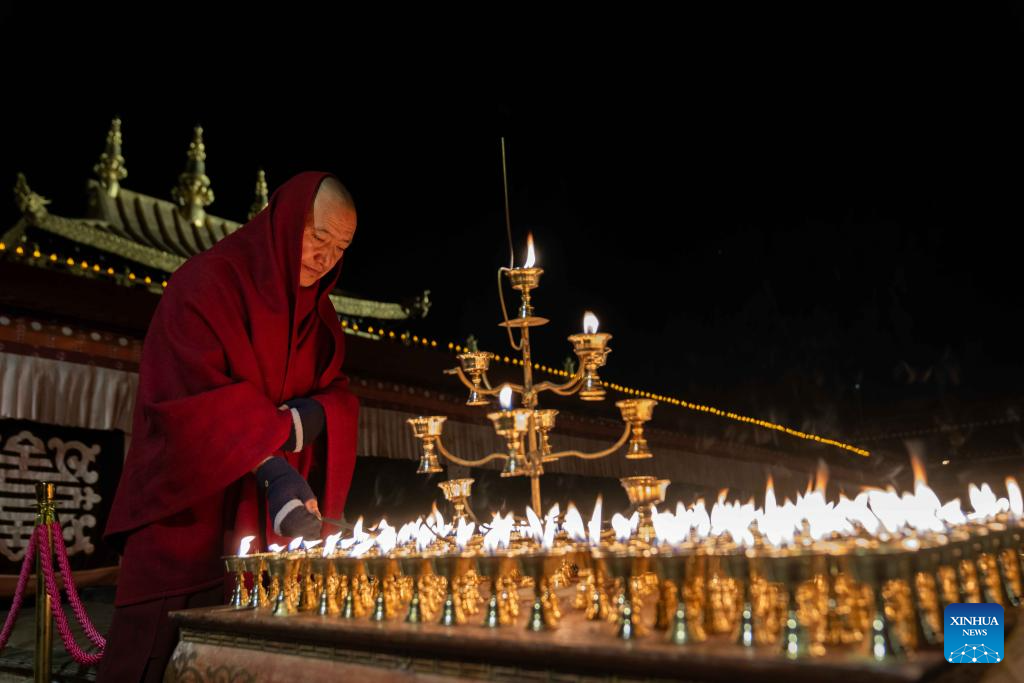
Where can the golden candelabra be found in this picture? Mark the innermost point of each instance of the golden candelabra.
(526, 429)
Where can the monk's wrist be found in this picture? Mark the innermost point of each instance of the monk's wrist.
(261, 463)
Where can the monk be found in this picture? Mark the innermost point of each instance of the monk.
(241, 402)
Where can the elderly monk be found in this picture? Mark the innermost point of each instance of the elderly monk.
(240, 376)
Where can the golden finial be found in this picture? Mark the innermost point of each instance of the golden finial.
(193, 193)
(261, 194)
(110, 168)
(28, 201)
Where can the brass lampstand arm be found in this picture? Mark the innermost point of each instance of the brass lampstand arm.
(468, 383)
(567, 389)
(551, 457)
(468, 463)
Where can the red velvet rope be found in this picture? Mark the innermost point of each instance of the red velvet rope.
(19, 592)
(77, 653)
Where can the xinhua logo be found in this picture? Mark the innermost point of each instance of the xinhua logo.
(973, 633)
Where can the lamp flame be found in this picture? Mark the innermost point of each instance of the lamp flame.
(700, 520)
(983, 501)
(548, 539)
(553, 512)
(463, 533)
(243, 547)
(505, 397)
(424, 537)
(573, 524)
(531, 257)
(331, 543)
(821, 478)
(623, 529)
(362, 547)
(536, 529)
(670, 528)
(951, 514)
(1013, 493)
(500, 533)
(386, 538)
(594, 525)
(920, 476)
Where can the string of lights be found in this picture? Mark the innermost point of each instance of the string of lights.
(382, 334)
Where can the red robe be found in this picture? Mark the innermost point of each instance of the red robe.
(233, 338)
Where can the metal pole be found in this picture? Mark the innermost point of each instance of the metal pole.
(44, 610)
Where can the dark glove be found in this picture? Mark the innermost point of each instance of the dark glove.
(307, 423)
(287, 493)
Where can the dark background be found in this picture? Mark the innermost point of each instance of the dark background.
(810, 218)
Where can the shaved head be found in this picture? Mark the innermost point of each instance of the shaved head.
(332, 191)
(328, 232)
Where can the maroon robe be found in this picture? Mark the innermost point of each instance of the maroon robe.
(233, 337)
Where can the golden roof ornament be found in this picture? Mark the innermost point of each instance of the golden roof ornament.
(28, 201)
(262, 194)
(193, 193)
(110, 168)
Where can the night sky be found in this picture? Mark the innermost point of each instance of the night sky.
(806, 218)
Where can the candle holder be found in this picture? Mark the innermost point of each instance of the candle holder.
(1015, 547)
(740, 567)
(539, 565)
(348, 568)
(989, 543)
(379, 567)
(635, 412)
(644, 492)
(475, 365)
(876, 566)
(545, 420)
(513, 425)
(591, 596)
(926, 597)
(282, 571)
(449, 566)
(492, 567)
(412, 566)
(1010, 559)
(677, 568)
(524, 280)
(254, 564)
(428, 431)
(308, 594)
(457, 492)
(239, 596)
(791, 568)
(323, 572)
(592, 351)
(623, 565)
(947, 576)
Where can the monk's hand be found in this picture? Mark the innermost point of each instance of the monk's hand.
(292, 505)
(307, 422)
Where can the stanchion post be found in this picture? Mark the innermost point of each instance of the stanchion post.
(44, 609)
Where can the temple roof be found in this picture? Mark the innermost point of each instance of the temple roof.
(158, 234)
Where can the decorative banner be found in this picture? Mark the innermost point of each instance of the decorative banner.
(83, 464)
